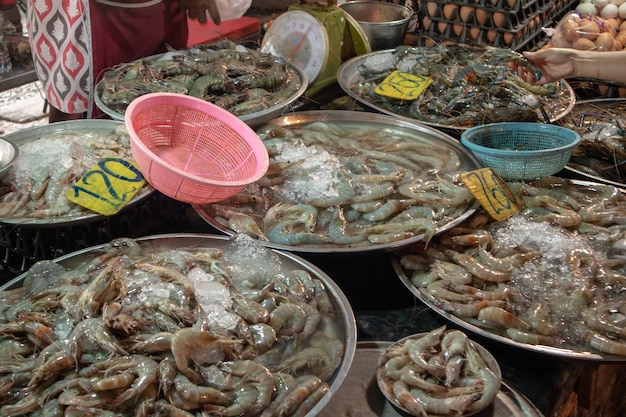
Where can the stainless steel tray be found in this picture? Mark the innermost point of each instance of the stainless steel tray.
(406, 130)
(360, 396)
(575, 352)
(69, 127)
(253, 119)
(343, 325)
(349, 74)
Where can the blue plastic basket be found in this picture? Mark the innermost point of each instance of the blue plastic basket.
(521, 150)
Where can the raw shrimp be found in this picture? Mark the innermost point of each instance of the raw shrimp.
(199, 394)
(491, 382)
(306, 386)
(407, 400)
(287, 319)
(502, 318)
(199, 347)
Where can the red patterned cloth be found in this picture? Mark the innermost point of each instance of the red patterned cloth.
(74, 41)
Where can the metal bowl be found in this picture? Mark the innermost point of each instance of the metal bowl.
(342, 326)
(8, 154)
(397, 132)
(360, 395)
(253, 119)
(385, 24)
(376, 63)
(563, 349)
(31, 134)
(386, 384)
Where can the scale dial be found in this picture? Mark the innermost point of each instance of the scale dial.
(301, 39)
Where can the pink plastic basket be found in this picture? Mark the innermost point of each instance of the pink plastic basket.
(191, 150)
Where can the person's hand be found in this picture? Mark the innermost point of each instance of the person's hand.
(197, 10)
(553, 63)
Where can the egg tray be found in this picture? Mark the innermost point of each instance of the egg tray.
(511, 21)
(525, 36)
(526, 39)
(493, 5)
(22, 246)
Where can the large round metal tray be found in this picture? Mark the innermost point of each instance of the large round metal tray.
(360, 395)
(610, 112)
(69, 127)
(252, 119)
(360, 120)
(349, 74)
(432, 302)
(344, 322)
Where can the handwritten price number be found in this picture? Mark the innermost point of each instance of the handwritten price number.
(403, 86)
(108, 186)
(492, 193)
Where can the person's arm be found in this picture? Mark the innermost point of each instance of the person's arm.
(560, 63)
(607, 66)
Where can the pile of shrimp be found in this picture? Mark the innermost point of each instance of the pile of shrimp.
(602, 151)
(553, 274)
(48, 166)
(439, 373)
(470, 86)
(240, 80)
(348, 185)
(136, 330)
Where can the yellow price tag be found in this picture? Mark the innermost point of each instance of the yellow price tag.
(403, 86)
(492, 193)
(108, 186)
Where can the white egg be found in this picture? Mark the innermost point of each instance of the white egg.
(617, 2)
(586, 8)
(600, 3)
(621, 10)
(610, 11)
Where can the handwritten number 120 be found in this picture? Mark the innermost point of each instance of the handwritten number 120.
(114, 174)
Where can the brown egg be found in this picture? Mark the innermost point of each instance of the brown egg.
(617, 45)
(621, 91)
(450, 11)
(458, 29)
(466, 13)
(559, 41)
(604, 42)
(431, 7)
(426, 23)
(584, 44)
(511, 4)
(498, 19)
(508, 37)
(569, 30)
(481, 16)
(474, 32)
(589, 29)
(491, 35)
(613, 24)
(621, 38)
(442, 26)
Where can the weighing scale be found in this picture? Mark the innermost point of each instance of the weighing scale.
(318, 38)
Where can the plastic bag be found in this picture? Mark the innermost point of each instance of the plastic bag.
(232, 9)
(584, 31)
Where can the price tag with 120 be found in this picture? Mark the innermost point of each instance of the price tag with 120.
(403, 86)
(108, 186)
